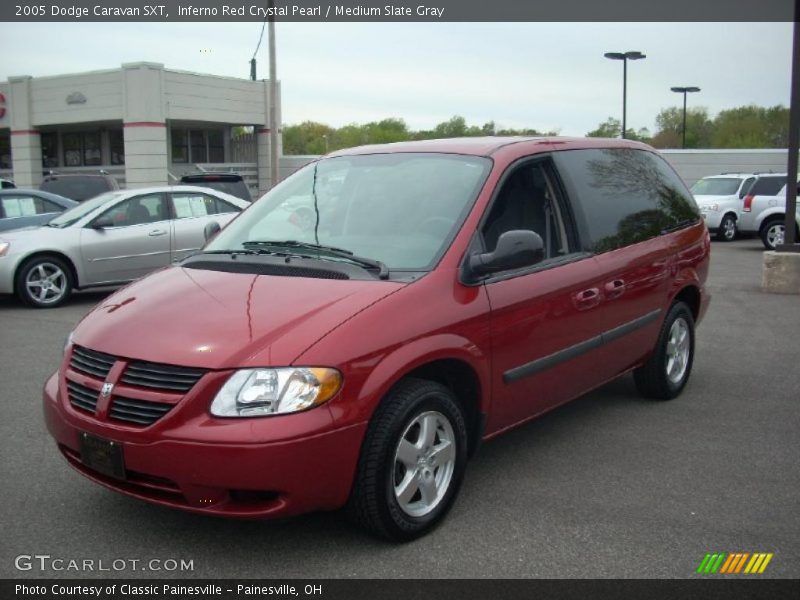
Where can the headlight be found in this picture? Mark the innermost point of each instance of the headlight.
(4, 246)
(264, 392)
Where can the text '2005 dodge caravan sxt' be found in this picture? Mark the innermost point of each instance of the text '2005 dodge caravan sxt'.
(351, 337)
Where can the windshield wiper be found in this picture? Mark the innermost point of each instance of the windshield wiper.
(321, 252)
(232, 252)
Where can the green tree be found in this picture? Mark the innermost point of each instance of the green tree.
(752, 127)
(670, 128)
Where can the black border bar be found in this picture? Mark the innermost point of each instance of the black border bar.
(398, 10)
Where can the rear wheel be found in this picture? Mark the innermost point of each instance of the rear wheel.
(666, 372)
(772, 234)
(727, 229)
(44, 282)
(412, 462)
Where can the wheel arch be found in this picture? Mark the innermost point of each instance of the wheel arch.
(446, 359)
(56, 254)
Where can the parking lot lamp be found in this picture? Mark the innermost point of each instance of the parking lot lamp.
(684, 91)
(625, 57)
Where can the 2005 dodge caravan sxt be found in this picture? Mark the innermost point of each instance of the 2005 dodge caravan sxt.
(441, 293)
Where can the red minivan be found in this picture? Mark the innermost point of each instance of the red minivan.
(444, 292)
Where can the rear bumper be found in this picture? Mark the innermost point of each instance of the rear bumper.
(227, 477)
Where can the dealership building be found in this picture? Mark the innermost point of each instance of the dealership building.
(142, 123)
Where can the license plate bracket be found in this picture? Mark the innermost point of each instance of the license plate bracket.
(103, 456)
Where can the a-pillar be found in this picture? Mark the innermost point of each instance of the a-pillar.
(26, 144)
(144, 125)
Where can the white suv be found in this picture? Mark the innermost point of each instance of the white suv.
(764, 211)
(720, 200)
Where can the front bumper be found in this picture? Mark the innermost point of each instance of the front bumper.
(248, 468)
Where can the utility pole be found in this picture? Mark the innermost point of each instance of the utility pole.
(273, 99)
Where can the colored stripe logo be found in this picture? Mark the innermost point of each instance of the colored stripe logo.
(734, 563)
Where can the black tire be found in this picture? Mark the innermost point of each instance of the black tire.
(652, 378)
(44, 268)
(727, 229)
(771, 228)
(373, 503)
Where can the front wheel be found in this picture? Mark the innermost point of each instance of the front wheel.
(412, 462)
(666, 372)
(727, 229)
(44, 282)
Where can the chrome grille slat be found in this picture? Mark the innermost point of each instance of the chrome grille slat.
(159, 376)
(91, 362)
(143, 412)
(82, 397)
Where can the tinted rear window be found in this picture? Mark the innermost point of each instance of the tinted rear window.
(768, 186)
(626, 196)
(77, 188)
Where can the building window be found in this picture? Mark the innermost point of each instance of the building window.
(49, 149)
(180, 146)
(216, 146)
(198, 145)
(92, 154)
(116, 142)
(82, 149)
(5, 152)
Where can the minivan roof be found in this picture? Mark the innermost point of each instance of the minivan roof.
(486, 146)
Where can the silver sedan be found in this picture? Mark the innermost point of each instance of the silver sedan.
(109, 240)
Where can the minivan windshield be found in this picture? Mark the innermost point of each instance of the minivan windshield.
(68, 217)
(401, 209)
(718, 186)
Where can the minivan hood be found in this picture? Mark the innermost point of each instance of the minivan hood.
(218, 320)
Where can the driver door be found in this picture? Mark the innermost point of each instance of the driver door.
(136, 243)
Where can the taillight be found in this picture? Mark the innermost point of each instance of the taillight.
(748, 203)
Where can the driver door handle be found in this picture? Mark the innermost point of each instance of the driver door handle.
(157, 232)
(615, 289)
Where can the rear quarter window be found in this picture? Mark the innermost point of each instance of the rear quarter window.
(768, 186)
(625, 196)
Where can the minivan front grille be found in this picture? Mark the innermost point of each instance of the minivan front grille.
(91, 362)
(82, 397)
(162, 377)
(134, 410)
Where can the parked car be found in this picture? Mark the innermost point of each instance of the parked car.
(230, 183)
(79, 186)
(25, 208)
(6, 184)
(460, 288)
(109, 240)
(720, 200)
(764, 213)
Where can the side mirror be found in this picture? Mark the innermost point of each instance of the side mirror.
(102, 222)
(515, 249)
(211, 229)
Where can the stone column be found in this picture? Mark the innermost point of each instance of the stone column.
(26, 144)
(144, 125)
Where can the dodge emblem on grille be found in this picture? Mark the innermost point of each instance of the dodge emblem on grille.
(105, 392)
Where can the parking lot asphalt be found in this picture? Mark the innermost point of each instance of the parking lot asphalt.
(609, 485)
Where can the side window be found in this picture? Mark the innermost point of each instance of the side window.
(224, 207)
(192, 204)
(768, 186)
(138, 210)
(748, 183)
(626, 196)
(26, 206)
(528, 200)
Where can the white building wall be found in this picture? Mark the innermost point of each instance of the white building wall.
(102, 91)
(692, 165)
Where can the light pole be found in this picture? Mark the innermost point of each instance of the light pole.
(625, 57)
(684, 91)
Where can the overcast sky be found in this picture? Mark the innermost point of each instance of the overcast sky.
(540, 75)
